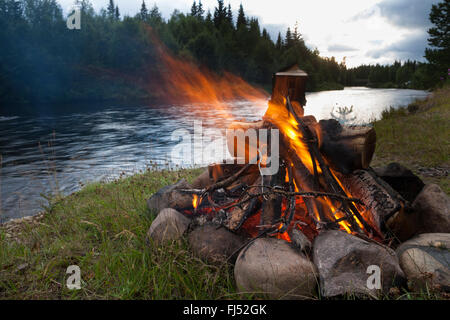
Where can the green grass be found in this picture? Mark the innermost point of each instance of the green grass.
(417, 136)
(102, 229)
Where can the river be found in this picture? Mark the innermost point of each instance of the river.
(46, 149)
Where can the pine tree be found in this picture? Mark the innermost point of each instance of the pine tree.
(229, 16)
(155, 16)
(194, 10)
(209, 19)
(288, 40)
(220, 14)
(200, 10)
(254, 27)
(296, 37)
(144, 12)
(279, 43)
(265, 34)
(241, 19)
(439, 38)
(117, 13)
(111, 9)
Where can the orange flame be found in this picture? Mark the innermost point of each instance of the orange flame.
(182, 81)
(284, 235)
(288, 125)
(195, 201)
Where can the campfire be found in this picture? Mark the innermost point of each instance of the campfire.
(323, 179)
(293, 181)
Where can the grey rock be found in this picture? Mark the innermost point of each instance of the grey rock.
(202, 181)
(401, 179)
(215, 244)
(273, 268)
(169, 197)
(343, 261)
(169, 225)
(425, 260)
(433, 208)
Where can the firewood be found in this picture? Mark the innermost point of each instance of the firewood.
(378, 197)
(346, 148)
(250, 205)
(271, 207)
(221, 171)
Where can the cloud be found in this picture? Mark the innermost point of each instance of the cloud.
(412, 46)
(340, 48)
(409, 14)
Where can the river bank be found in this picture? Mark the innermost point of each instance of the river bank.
(418, 137)
(102, 227)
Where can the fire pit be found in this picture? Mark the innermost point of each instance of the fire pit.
(299, 203)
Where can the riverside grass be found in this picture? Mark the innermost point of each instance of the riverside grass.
(102, 228)
(417, 136)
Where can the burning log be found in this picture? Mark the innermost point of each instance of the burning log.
(271, 207)
(251, 203)
(380, 200)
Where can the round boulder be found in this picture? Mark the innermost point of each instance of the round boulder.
(169, 225)
(425, 260)
(215, 244)
(433, 207)
(272, 267)
(170, 197)
(348, 264)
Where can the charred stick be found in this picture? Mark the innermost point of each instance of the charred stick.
(271, 208)
(226, 182)
(292, 200)
(288, 194)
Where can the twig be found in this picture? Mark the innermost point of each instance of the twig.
(226, 182)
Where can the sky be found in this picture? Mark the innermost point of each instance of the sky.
(363, 31)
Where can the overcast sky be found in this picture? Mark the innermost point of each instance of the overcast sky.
(364, 31)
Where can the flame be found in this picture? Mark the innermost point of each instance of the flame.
(183, 81)
(195, 201)
(284, 235)
(288, 125)
(364, 213)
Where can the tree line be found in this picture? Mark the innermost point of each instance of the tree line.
(114, 57)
